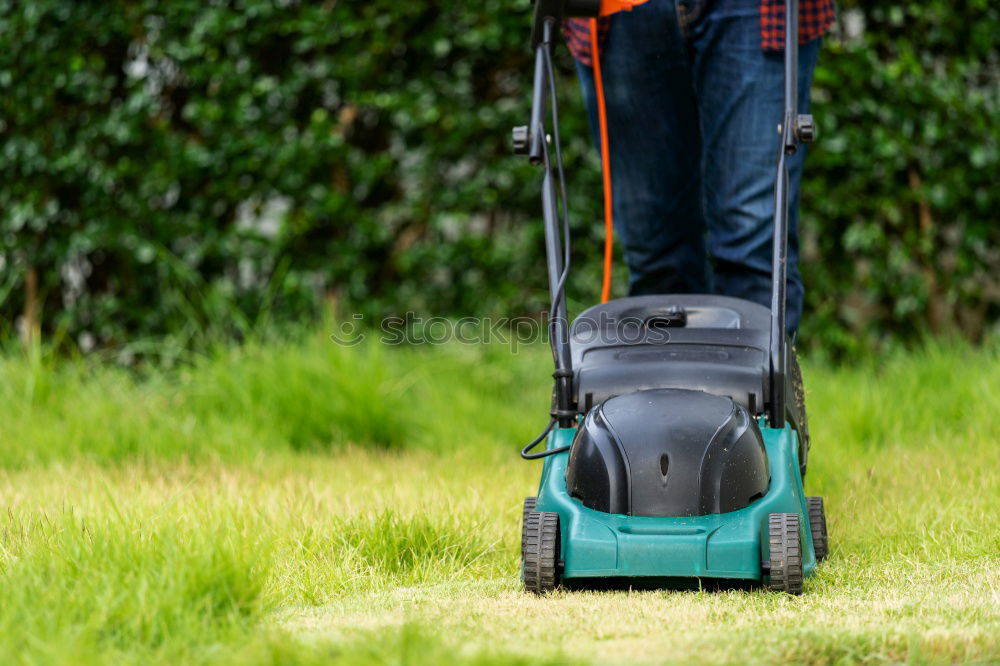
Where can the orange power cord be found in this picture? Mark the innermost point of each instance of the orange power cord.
(605, 162)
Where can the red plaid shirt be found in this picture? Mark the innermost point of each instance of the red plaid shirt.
(815, 18)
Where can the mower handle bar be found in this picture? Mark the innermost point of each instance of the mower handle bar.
(794, 129)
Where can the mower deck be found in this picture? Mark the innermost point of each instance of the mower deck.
(726, 546)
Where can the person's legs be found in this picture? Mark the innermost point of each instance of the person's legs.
(653, 136)
(740, 93)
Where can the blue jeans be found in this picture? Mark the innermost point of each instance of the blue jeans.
(693, 107)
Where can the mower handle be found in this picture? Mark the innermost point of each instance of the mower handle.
(795, 129)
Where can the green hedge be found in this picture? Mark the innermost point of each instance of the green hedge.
(902, 205)
(182, 167)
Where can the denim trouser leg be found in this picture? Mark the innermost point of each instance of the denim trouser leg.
(655, 148)
(693, 114)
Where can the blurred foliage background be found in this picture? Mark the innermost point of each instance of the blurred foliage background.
(183, 169)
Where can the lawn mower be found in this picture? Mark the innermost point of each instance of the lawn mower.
(678, 439)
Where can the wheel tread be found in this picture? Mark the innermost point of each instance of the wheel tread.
(817, 527)
(528, 507)
(541, 551)
(785, 545)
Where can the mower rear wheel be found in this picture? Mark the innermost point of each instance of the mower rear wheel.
(785, 542)
(529, 506)
(541, 551)
(799, 396)
(817, 527)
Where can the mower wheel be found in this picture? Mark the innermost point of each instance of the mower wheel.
(529, 506)
(541, 552)
(799, 396)
(817, 526)
(785, 544)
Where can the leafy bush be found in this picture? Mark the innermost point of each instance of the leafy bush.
(900, 212)
(188, 166)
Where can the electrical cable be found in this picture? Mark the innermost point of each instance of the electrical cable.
(550, 74)
(537, 440)
(602, 116)
(558, 297)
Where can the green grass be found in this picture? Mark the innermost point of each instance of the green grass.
(304, 503)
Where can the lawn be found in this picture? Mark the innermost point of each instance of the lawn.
(300, 502)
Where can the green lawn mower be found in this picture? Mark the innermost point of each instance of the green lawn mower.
(678, 439)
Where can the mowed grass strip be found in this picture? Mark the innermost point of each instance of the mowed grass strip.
(242, 511)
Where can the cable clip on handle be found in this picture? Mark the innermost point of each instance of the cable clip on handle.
(609, 7)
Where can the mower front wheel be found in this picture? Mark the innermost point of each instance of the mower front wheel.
(785, 543)
(541, 551)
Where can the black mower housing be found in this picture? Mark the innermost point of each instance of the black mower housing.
(667, 453)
